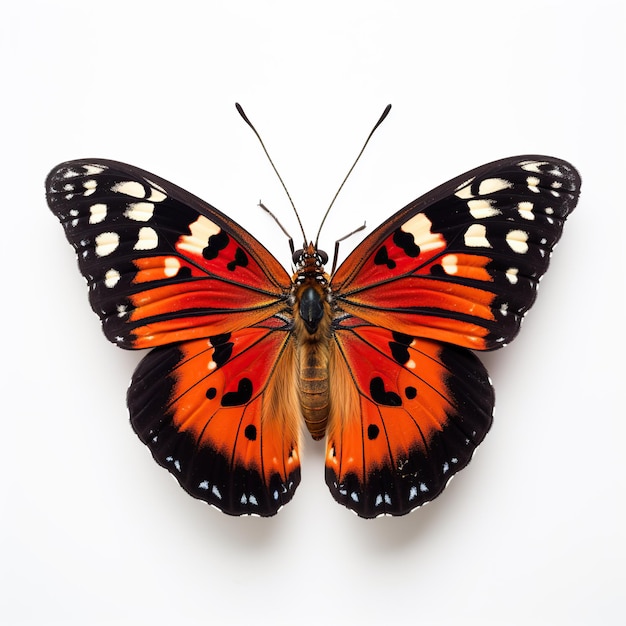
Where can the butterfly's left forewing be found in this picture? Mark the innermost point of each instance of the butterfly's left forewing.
(216, 400)
(455, 269)
(162, 265)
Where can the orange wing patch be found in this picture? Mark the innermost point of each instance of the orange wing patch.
(214, 423)
(422, 409)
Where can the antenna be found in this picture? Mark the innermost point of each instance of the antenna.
(378, 123)
(267, 154)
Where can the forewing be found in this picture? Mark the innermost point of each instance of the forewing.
(462, 263)
(406, 414)
(222, 415)
(162, 265)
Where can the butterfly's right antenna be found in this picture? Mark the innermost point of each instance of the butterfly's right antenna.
(269, 158)
(378, 123)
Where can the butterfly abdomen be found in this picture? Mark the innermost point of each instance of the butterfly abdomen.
(312, 316)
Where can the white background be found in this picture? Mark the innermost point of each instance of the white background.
(92, 531)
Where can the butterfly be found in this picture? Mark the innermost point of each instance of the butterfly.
(377, 357)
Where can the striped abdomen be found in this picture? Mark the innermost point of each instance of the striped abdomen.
(312, 331)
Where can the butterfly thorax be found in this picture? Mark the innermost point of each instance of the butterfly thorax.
(312, 322)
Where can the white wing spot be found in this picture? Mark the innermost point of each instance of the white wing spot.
(201, 230)
(97, 213)
(464, 190)
(518, 241)
(111, 278)
(92, 170)
(147, 240)
(139, 211)
(204, 485)
(525, 209)
(216, 492)
(130, 188)
(450, 264)
(420, 227)
(511, 275)
(157, 193)
(172, 265)
(533, 183)
(532, 166)
(475, 237)
(106, 243)
(480, 209)
(492, 185)
(90, 186)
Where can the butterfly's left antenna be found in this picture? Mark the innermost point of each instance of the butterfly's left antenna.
(269, 158)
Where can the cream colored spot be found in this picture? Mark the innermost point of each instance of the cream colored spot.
(130, 188)
(532, 166)
(201, 230)
(480, 209)
(492, 185)
(450, 264)
(97, 213)
(525, 209)
(94, 169)
(475, 237)
(410, 364)
(511, 275)
(157, 193)
(212, 365)
(139, 211)
(111, 278)
(533, 182)
(464, 190)
(90, 186)
(518, 241)
(147, 240)
(419, 226)
(172, 265)
(106, 243)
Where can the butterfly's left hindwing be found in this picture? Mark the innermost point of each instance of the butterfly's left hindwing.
(162, 265)
(417, 409)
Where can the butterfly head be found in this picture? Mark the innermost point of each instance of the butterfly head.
(309, 262)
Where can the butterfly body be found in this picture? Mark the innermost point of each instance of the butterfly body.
(312, 332)
(375, 357)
